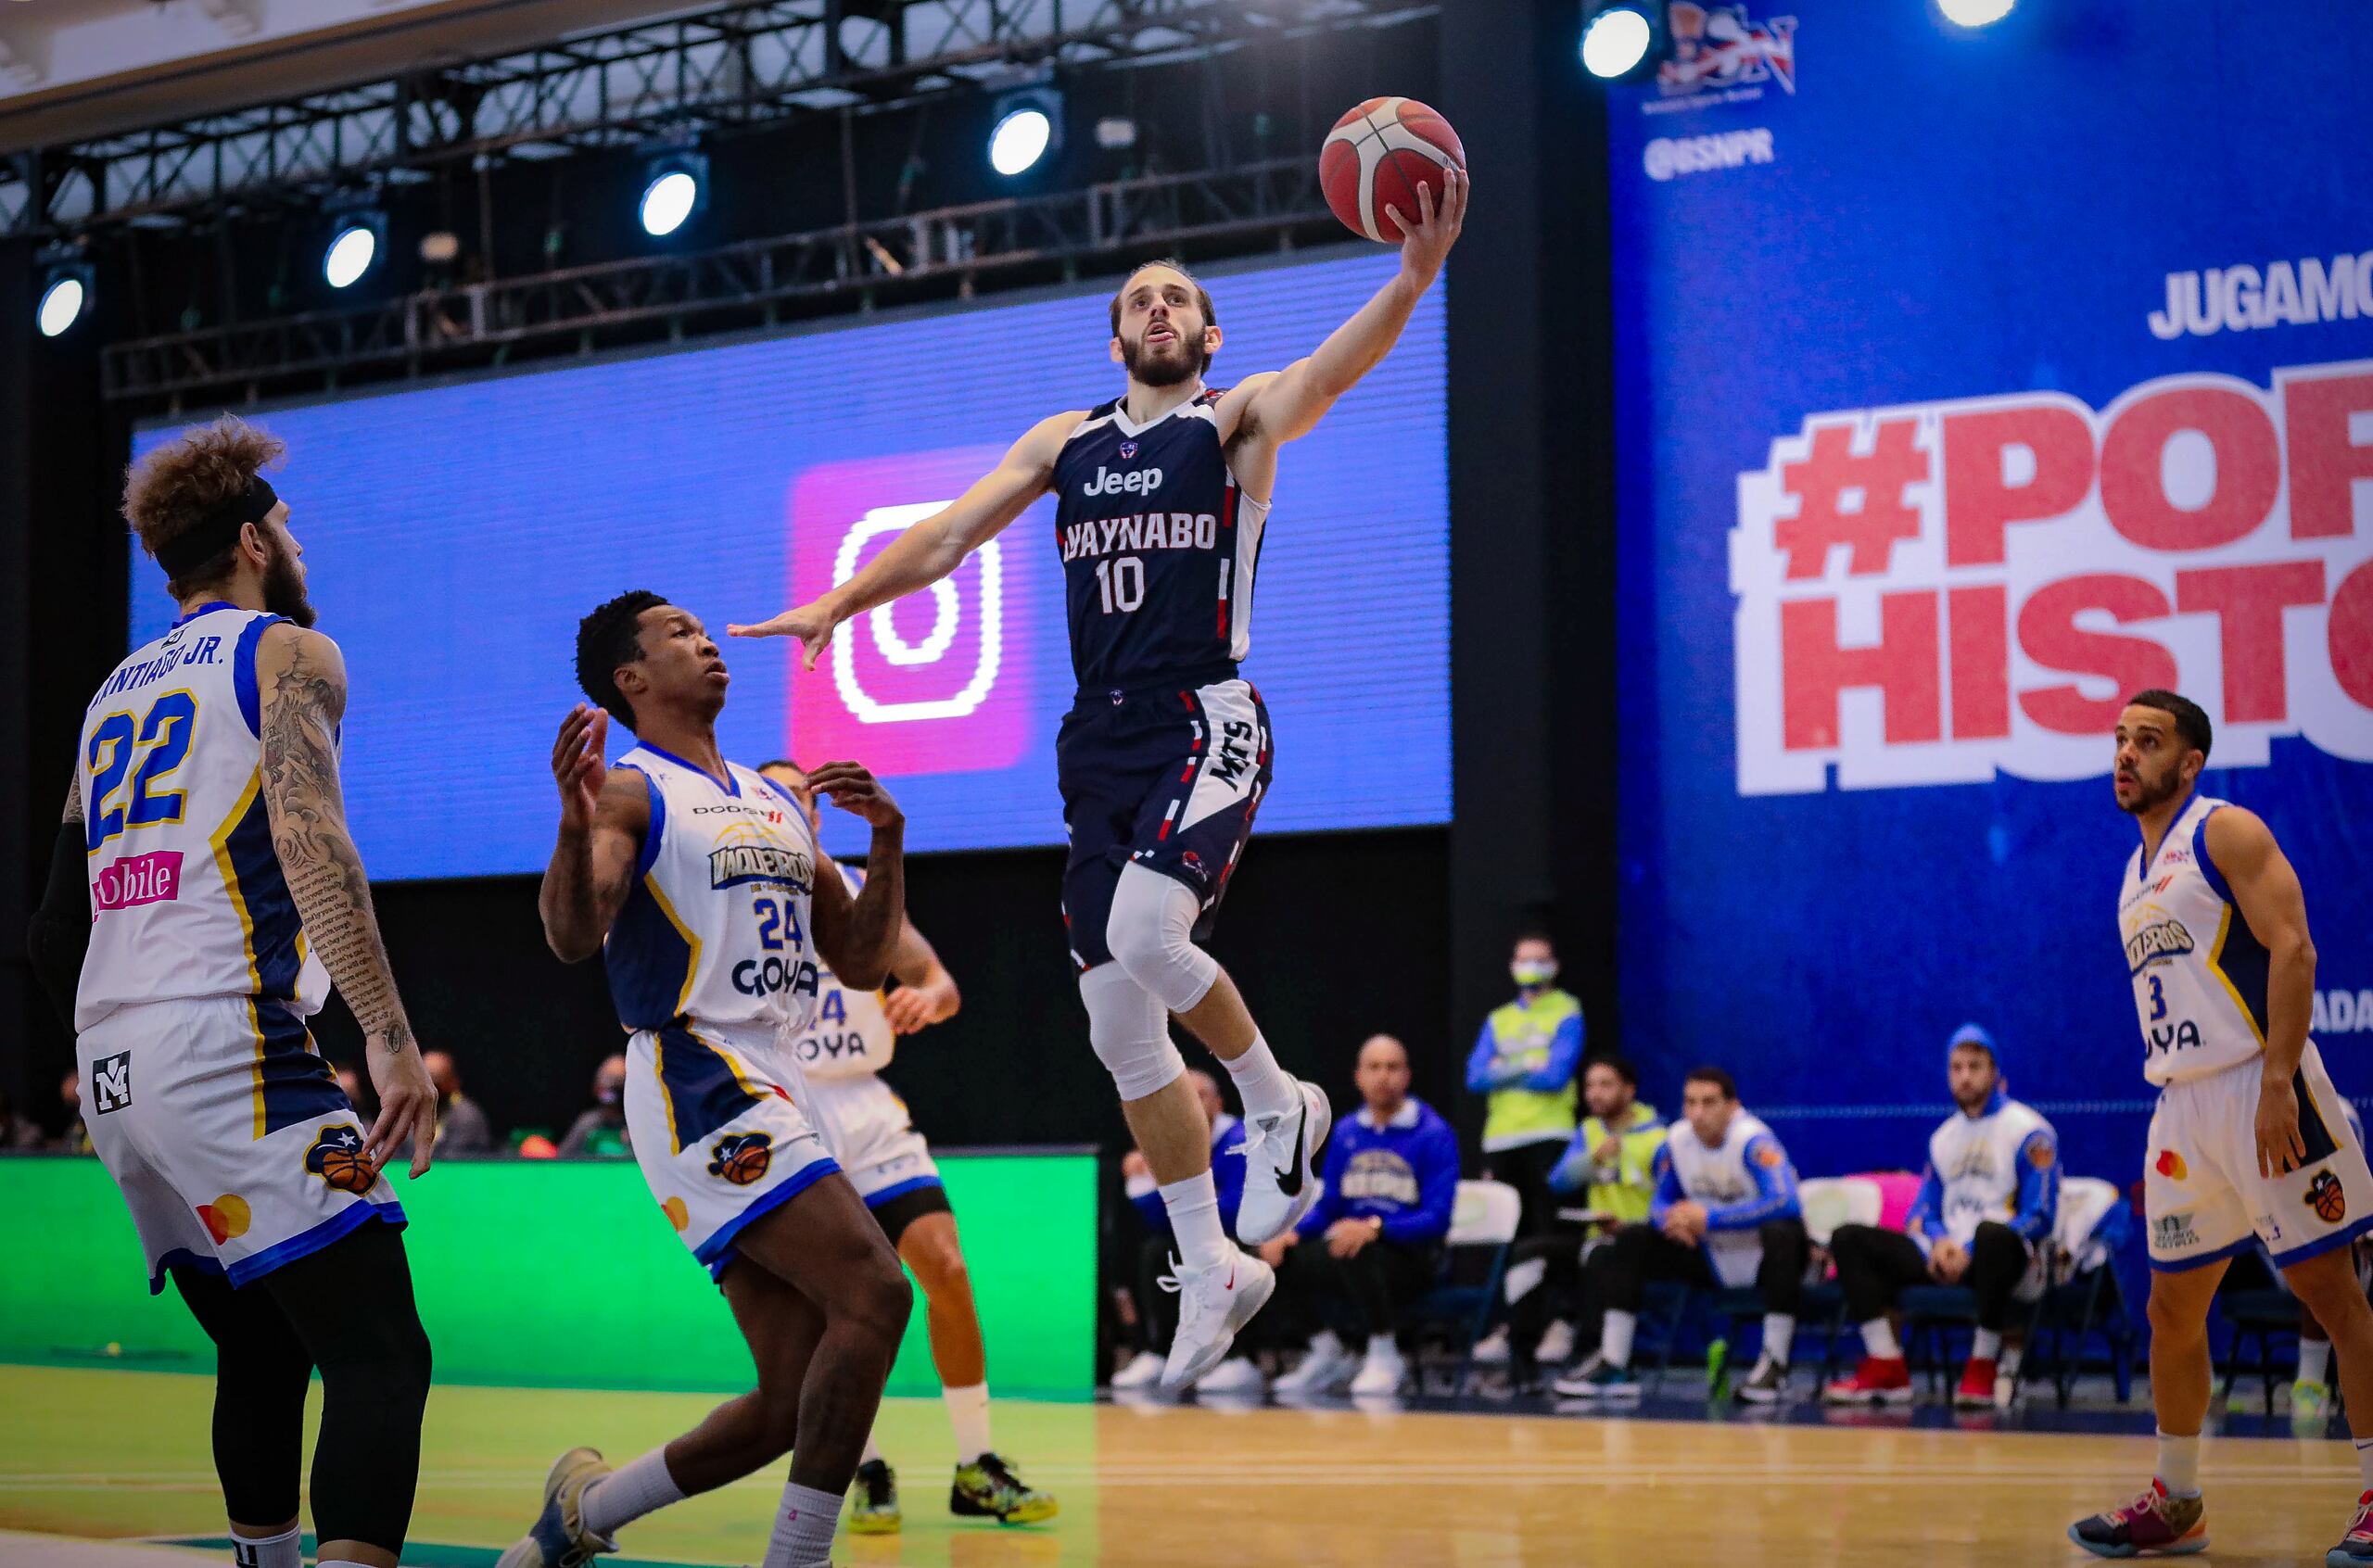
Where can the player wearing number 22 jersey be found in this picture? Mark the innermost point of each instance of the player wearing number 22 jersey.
(701, 885)
(2251, 1143)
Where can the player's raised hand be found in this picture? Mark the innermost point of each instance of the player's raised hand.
(851, 788)
(811, 623)
(910, 1009)
(2281, 1149)
(406, 1099)
(580, 764)
(1425, 242)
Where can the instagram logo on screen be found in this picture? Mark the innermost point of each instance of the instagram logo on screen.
(937, 682)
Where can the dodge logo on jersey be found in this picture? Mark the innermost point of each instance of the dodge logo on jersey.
(733, 865)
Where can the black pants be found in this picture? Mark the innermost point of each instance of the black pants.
(346, 1309)
(1525, 1168)
(1565, 1291)
(1874, 1264)
(1157, 1307)
(1356, 1296)
(1641, 1252)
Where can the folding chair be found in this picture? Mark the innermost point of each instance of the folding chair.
(2085, 1295)
(1483, 1225)
(2267, 1316)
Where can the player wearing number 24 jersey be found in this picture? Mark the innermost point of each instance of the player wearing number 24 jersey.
(1163, 499)
(2250, 1143)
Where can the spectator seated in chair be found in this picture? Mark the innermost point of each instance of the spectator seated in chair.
(1524, 1064)
(1608, 1171)
(461, 1127)
(1158, 1307)
(600, 1131)
(1984, 1220)
(1725, 1215)
(1373, 1243)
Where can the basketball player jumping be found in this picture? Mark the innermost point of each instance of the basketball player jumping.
(1161, 497)
(842, 1053)
(203, 895)
(701, 883)
(2248, 1133)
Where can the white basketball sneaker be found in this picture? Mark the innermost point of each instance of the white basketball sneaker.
(1281, 1167)
(1235, 1376)
(1143, 1371)
(1384, 1372)
(1214, 1304)
(1328, 1366)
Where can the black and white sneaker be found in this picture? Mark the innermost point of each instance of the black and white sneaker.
(1767, 1385)
(1281, 1167)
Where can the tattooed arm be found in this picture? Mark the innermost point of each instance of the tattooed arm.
(302, 680)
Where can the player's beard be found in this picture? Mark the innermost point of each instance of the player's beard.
(1164, 367)
(2148, 796)
(284, 588)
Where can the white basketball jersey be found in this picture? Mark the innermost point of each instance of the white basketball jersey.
(1978, 1165)
(1718, 1178)
(2200, 973)
(715, 927)
(187, 899)
(851, 1036)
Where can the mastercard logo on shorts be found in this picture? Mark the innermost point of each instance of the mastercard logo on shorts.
(2326, 1197)
(227, 1218)
(2171, 1165)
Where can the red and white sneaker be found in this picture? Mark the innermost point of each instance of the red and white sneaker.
(1977, 1392)
(1875, 1381)
(2355, 1548)
(2153, 1525)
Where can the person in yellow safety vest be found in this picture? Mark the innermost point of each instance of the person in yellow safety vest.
(1525, 1061)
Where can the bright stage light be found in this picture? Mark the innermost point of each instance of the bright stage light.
(667, 201)
(61, 304)
(1615, 41)
(1975, 13)
(350, 253)
(1020, 139)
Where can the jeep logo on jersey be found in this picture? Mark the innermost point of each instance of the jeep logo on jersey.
(2165, 939)
(734, 866)
(771, 977)
(1142, 482)
(111, 1083)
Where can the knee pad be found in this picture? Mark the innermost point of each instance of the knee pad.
(1130, 1031)
(1150, 934)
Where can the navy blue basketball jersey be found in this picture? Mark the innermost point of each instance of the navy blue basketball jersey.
(1158, 547)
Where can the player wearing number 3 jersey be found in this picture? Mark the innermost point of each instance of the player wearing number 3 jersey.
(2251, 1143)
(1161, 504)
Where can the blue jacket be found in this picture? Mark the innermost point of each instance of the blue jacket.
(1228, 1174)
(1404, 1172)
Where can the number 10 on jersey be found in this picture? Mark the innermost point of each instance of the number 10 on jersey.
(1121, 581)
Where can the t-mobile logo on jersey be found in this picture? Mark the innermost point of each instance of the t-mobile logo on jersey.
(935, 683)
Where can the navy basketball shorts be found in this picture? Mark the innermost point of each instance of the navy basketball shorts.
(1168, 778)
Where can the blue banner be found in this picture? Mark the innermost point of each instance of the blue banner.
(456, 533)
(1970, 381)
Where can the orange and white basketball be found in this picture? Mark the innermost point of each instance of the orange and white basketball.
(1378, 155)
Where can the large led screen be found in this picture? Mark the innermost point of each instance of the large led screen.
(456, 533)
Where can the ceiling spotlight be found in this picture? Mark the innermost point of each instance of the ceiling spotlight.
(67, 290)
(439, 245)
(1975, 14)
(353, 248)
(675, 187)
(1029, 126)
(1623, 41)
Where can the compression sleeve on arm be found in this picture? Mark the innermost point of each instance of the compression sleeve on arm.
(60, 932)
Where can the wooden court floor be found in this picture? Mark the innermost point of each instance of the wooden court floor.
(121, 1455)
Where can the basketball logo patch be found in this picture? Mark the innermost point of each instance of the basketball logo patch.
(336, 1157)
(743, 1157)
(2326, 1196)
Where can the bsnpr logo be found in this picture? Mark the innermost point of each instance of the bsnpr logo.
(933, 683)
(1669, 156)
(1717, 48)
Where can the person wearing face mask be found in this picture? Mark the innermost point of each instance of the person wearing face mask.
(600, 1131)
(1524, 1063)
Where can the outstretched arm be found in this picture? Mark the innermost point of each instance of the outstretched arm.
(2241, 849)
(858, 938)
(302, 680)
(930, 550)
(604, 822)
(1286, 405)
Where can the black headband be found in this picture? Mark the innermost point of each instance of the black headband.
(218, 530)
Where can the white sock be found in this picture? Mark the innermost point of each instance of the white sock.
(804, 1527)
(282, 1550)
(1878, 1341)
(1779, 1335)
(2314, 1360)
(1986, 1344)
(1194, 1209)
(2365, 1461)
(872, 1450)
(2179, 1464)
(630, 1492)
(1265, 1088)
(968, 1412)
(1615, 1338)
